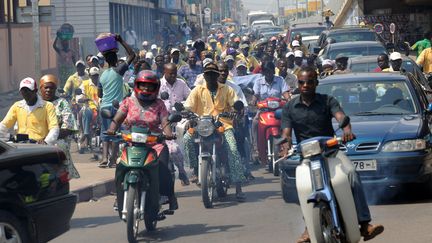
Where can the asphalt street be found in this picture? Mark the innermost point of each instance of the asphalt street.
(264, 217)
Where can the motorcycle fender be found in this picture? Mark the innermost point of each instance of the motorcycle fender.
(310, 213)
(273, 131)
(340, 167)
(132, 177)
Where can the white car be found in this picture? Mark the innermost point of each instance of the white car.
(261, 23)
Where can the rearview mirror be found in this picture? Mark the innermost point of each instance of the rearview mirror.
(345, 122)
(238, 105)
(174, 117)
(178, 106)
(164, 96)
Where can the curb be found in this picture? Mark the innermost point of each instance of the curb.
(98, 190)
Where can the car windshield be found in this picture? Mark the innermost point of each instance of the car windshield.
(372, 97)
(271, 29)
(352, 36)
(356, 51)
(370, 66)
(307, 32)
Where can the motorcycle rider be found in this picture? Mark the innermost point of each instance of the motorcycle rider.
(268, 85)
(309, 115)
(178, 91)
(144, 109)
(34, 116)
(213, 98)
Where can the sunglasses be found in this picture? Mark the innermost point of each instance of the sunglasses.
(309, 82)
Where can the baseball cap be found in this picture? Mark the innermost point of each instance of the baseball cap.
(229, 57)
(211, 68)
(273, 38)
(174, 50)
(99, 55)
(189, 42)
(295, 43)
(244, 46)
(231, 51)
(395, 56)
(241, 63)
(149, 55)
(94, 71)
(154, 46)
(145, 43)
(28, 83)
(206, 61)
(212, 40)
(298, 53)
(80, 62)
(94, 58)
(289, 54)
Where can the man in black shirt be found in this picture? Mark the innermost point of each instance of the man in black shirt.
(310, 115)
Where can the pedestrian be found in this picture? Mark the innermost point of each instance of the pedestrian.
(383, 62)
(425, 60)
(420, 45)
(191, 71)
(131, 37)
(186, 31)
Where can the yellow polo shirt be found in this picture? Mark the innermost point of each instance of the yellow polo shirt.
(90, 91)
(425, 60)
(35, 123)
(200, 102)
(73, 82)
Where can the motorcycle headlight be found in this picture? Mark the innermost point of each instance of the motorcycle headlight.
(205, 128)
(310, 149)
(139, 137)
(272, 104)
(404, 145)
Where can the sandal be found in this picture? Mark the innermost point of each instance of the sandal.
(103, 164)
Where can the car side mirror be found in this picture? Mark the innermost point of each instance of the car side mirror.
(238, 105)
(179, 106)
(345, 122)
(316, 50)
(164, 96)
(174, 117)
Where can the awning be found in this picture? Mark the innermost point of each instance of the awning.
(178, 12)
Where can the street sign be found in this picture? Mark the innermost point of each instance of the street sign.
(379, 28)
(392, 28)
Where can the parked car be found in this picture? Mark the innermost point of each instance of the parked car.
(351, 49)
(391, 118)
(306, 30)
(369, 63)
(35, 202)
(348, 34)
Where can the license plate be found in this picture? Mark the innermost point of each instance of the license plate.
(365, 165)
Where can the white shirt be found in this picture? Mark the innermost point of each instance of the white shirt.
(178, 92)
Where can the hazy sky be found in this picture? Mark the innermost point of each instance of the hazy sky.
(267, 5)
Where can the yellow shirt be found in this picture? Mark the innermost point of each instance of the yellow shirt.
(90, 91)
(425, 60)
(200, 102)
(73, 82)
(35, 123)
(251, 62)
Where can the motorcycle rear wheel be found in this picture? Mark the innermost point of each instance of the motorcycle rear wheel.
(327, 225)
(207, 186)
(132, 216)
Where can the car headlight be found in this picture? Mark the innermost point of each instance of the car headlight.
(310, 149)
(272, 104)
(404, 145)
(205, 128)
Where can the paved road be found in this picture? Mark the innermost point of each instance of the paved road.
(264, 217)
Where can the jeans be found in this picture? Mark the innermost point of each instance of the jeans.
(105, 124)
(230, 146)
(362, 208)
(86, 120)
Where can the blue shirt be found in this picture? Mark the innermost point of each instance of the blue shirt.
(190, 74)
(265, 90)
(111, 82)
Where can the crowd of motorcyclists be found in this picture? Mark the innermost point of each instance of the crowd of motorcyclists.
(207, 76)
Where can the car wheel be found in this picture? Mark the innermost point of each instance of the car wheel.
(12, 229)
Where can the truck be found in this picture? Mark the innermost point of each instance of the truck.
(258, 16)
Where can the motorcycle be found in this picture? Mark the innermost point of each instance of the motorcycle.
(324, 190)
(138, 167)
(268, 132)
(213, 170)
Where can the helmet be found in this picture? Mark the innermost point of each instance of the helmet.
(149, 77)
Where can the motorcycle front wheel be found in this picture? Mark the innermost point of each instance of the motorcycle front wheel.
(132, 216)
(207, 186)
(275, 157)
(222, 182)
(327, 225)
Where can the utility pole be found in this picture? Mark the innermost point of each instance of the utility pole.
(201, 19)
(36, 38)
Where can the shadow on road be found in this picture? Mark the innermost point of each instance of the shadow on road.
(178, 231)
(90, 222)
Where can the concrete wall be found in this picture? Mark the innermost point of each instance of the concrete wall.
(23, 55)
